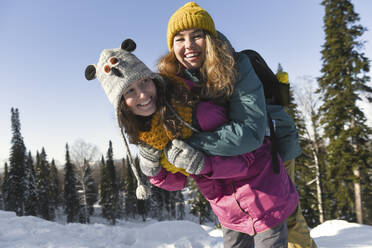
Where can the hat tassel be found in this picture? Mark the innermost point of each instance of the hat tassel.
(143, 192)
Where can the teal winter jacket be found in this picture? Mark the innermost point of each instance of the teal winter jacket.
(247, 114)
(248, 121)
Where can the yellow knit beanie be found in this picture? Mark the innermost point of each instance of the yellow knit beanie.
(189, 16)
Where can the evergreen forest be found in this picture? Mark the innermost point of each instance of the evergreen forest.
(333, 174)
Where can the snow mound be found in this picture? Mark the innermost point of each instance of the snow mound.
(340, 233)
(33, 232)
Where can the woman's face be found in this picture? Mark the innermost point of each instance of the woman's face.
(189, 48)
(140, 97)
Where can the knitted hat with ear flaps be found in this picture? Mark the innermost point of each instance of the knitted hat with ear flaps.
(116, 69)
(189, 16)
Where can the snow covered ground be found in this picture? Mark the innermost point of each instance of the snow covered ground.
(32, 232)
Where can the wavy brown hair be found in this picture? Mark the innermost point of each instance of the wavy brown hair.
(218, 71)
(169, 89)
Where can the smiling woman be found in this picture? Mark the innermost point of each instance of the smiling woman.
(199, 53)
(140, 97)
(189, 48)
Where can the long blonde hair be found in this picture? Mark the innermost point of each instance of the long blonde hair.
(218, 72)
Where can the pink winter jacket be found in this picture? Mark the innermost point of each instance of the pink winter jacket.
(243, 191)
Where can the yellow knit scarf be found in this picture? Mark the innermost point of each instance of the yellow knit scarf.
(158, 137)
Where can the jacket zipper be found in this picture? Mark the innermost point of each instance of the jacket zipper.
(234, 191)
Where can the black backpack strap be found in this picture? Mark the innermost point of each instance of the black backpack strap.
(264, 73)
(275, 91)
(273, 95)
(274, 144)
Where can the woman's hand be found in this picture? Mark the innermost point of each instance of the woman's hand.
(149, 160)
(184, 156)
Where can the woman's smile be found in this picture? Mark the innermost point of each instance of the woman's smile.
(140, 97)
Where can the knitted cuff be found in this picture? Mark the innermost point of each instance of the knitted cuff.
(196, 163)
(150, 171)
(172, 154)
(149, 153)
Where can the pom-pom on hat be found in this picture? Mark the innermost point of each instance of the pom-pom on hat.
(191, 15)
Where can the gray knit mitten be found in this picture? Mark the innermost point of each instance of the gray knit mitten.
(180, 154)
(149, 160)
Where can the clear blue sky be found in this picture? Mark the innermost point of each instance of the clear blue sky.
(46, 45)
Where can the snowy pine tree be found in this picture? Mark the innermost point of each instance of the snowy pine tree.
(71, 198)
(17, 164)
(55, 187)
(343, 81)
(43, 182)
(31, 192)
(130, 191)
(1, 193)
(156, 203)
(109, 188)
(4, 187)
(180, 205)
(91, 189)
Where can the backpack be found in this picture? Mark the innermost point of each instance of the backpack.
(276, 93)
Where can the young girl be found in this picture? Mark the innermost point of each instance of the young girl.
(244, 192)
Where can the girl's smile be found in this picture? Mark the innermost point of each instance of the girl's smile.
(140, 97)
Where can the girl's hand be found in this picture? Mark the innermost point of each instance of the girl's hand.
(149, 160)
(184, 156)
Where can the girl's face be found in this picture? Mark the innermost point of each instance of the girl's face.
(140, 97)
(189, 48)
